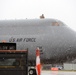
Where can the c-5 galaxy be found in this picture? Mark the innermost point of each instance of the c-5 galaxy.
(56, 40)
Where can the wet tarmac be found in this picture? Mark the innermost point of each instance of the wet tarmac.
(58, 73)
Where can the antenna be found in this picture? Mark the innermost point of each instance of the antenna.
(42, 16)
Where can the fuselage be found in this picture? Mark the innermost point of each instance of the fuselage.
(57, 40)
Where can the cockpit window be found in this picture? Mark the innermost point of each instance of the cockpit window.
(55, 24)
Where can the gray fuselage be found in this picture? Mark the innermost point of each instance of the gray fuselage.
(57, 40)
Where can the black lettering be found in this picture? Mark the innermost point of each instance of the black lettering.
(26, 39)
(22, 39)
(34, 39)
(12, 39)
(19, 39)
(29, 40)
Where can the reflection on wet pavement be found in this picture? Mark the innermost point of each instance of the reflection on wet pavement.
(58, 73)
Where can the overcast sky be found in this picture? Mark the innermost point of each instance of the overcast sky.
(64, 10)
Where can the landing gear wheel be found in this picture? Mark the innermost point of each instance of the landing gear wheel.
(32, 72)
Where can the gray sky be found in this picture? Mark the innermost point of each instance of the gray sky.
(64, 10)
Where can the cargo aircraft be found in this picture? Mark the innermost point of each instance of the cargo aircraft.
(56, 41)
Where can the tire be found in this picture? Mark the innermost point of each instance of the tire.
(32, 72)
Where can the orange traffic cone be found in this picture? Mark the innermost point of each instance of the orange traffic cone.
(38, 65)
